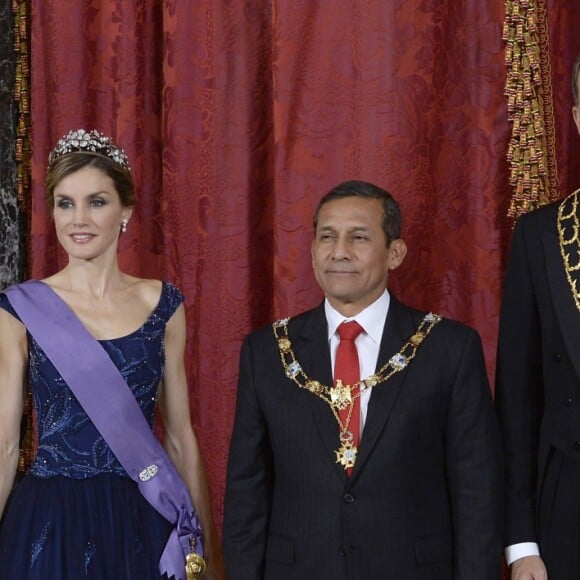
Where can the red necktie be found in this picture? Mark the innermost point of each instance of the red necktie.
(347, 369)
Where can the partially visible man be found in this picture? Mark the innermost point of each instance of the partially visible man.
(538, 389)
(395, 476)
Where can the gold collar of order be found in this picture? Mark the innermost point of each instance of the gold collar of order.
(568, 231)
(341, 396)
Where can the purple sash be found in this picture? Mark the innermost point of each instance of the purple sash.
(108, 401)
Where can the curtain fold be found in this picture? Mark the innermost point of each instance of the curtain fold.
(239, 116)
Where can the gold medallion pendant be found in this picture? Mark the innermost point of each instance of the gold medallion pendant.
(340, 395)
(195, 566)
(346, 454)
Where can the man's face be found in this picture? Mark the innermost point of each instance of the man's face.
(350, 256)
(576, 107)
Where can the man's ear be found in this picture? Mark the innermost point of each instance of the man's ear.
(576, 115)
(397, 253)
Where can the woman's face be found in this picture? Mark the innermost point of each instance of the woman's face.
(88, 214)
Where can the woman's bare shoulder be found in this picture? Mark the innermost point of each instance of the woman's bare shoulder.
(147, 290)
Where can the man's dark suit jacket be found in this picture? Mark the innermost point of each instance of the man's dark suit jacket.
(424, 498)
(538, 381)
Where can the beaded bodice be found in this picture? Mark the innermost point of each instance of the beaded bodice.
(68, 443)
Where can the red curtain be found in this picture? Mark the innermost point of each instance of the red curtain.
(239, 115)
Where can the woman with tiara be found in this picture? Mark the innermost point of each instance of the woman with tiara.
(100, 349)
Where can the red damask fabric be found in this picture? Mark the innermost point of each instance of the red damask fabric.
(238, 116)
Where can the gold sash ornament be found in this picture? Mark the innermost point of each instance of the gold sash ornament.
(195, 566)
(342, 396)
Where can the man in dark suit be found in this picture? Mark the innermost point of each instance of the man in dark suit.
(413, 491)
(538, 390)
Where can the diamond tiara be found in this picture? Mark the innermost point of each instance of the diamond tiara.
(89, 142)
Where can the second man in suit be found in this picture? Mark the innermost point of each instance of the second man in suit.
(365, 445)
(538, 388)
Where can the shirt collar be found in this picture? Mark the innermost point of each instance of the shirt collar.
(372, 318)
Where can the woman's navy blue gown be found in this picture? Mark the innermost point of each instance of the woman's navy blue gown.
(76, 513)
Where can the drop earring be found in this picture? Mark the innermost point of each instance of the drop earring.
(124, 224)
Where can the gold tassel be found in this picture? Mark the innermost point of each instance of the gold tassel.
(531, 150)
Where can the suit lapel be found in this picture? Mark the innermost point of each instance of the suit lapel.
(399, 326)
(313, 354)
(562, 299)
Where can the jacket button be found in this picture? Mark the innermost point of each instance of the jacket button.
(569, 401)
(348, 498)
(342, 551)
(557, 356)
(577, 445)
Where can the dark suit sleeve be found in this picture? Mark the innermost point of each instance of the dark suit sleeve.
(474, 464)
(249, 481)
(519, 390)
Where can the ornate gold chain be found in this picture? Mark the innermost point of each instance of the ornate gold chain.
(341, 396)
(568, 231)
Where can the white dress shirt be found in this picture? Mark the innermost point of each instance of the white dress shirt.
(368, 343)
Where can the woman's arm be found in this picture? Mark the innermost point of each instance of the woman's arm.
(13, 359)
(180, 441)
